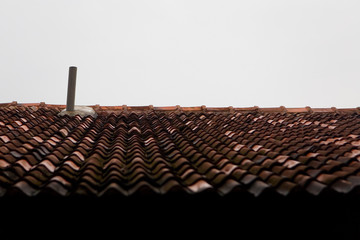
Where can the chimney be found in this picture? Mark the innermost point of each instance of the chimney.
(71, 109)
(70, 103)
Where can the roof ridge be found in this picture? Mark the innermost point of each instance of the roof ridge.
(202, 108)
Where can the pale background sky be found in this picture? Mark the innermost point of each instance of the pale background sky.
(185, 52)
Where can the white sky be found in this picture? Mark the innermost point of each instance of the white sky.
(185, 52)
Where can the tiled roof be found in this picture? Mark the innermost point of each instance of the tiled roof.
(128, 151)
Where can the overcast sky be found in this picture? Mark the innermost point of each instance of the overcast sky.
(185, 52)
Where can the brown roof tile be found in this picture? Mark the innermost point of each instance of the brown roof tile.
(130, 150)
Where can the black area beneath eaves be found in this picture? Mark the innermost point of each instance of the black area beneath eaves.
(201, 215)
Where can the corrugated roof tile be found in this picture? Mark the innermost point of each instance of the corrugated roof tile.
(131, 150)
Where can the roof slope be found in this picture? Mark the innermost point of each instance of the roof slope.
(145, 150)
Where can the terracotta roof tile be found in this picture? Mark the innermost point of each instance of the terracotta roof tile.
(130, 150)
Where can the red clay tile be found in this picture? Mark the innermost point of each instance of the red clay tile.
(26, 188)
(131, 150)
(342, 186)
(315, 187)
(199, 186)
(286, 187)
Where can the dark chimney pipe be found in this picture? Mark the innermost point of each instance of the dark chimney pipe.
(70, 103)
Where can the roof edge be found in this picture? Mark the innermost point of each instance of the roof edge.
(178, 108)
